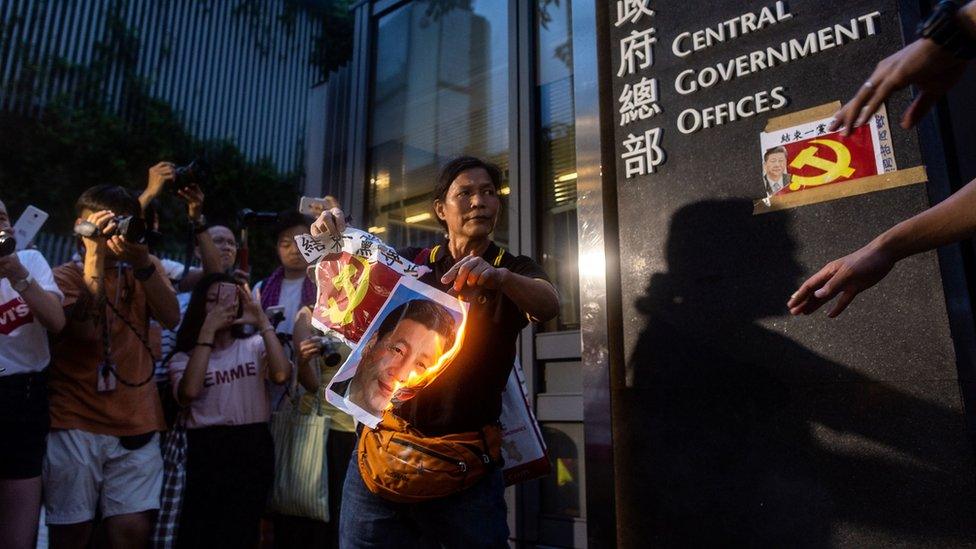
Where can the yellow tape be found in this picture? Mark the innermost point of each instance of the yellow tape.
(845, 189)
(799, 117)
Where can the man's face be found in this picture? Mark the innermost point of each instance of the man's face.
(226, 244)
(410, 347)
(288, 253)
(775, 165)
(4, 217)
(470, 208)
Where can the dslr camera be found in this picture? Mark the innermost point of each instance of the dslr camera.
(329, 349)
(132, 229)
(8, 244)
(195, 173)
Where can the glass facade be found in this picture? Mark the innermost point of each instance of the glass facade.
(440, 89)
(446, 79)
(556, 157)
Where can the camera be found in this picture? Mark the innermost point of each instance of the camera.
(329, 350)
(132, 229)
(8, 244)
(195, 173)
(248, 216)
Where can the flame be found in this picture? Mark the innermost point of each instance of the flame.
(414, 379)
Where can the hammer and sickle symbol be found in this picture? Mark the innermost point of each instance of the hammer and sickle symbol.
(355, 291)
(832, 169)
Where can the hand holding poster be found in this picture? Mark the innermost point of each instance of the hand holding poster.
(403, 333)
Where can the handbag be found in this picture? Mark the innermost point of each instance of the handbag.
(301, 477)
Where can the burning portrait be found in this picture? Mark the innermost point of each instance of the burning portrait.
(409, 342)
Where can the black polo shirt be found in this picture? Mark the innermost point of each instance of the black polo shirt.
(468, 394)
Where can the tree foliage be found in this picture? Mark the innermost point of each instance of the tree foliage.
(53, 150)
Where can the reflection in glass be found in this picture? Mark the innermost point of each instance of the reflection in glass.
(440, 90)
(562, 490)
(556, 157)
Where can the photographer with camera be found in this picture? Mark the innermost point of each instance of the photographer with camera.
(186, 183)
(103, 456)
(30, 308)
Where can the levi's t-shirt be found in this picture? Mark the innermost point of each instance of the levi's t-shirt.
(23, 341)
(235, 387)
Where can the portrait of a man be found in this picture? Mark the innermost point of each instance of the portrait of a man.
(775, 176)
(409, 340)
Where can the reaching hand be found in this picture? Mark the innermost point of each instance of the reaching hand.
(847, 276)
(253, 313)
(159, 175)
(330, 223)
(135, 254)
(309, 349)
(11, 268)
(105, 221)
(923, 63)
(474, 271)
(194, 201)
(219, 318)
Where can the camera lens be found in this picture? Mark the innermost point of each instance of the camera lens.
(8, 244)
(332, 359)
(194, 173)
(133, 229)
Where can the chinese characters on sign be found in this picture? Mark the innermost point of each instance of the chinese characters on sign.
(639, 98)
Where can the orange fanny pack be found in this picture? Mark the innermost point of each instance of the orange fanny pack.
(400, 464)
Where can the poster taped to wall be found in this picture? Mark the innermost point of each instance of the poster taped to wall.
(807, 156)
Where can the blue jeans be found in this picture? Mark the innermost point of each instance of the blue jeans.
(470, 519)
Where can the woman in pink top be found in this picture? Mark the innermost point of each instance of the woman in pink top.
(221, 379)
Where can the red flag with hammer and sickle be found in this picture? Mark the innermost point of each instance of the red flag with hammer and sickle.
(351, 292)
(830, 158)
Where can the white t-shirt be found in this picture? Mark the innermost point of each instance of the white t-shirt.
(291, 299)
(168, 337)
(235, 388)
(23, 341)
(172, 269)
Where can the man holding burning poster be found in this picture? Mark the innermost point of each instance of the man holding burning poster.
(463, 402)
(409, 341)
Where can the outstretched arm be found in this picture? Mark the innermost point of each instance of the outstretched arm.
(923, 64)
(949, 221)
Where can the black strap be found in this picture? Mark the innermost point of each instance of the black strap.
(107, 347)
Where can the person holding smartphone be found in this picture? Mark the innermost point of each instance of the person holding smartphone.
(220, 377)
(30, 308)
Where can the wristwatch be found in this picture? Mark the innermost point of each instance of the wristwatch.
(22, 284)
(942, 28)
(144, 273)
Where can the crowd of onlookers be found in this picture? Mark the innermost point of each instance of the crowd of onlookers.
(105, 356)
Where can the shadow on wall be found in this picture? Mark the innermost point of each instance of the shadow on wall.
(736, 435)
